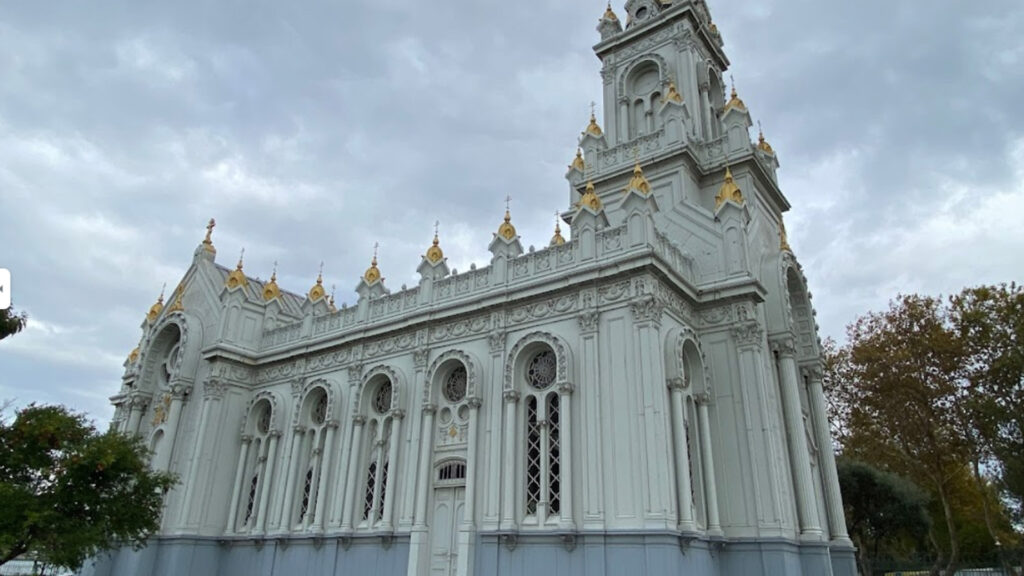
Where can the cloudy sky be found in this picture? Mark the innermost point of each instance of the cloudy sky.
(311, 130)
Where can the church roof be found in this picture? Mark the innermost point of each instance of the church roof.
(290, 301)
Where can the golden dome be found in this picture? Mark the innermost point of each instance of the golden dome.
(156, 309)
(208, 241)
(270, 289)
(783, 241)
(673, 94)
(609, 14)
(638, 181)
(763, 144)
(434, 253)
(578, 162)
(728, 191)
(372, 273)
(507, 230)
(735, 102)
(317, 291)
(236, 277)
(593, 128)
(557, 239)
(590, 198)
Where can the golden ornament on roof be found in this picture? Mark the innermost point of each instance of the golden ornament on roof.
(609, 14)
(590, 199)
(208, 241)
(178, 305)
(763, 144)
(317, 291)
(593, 128)
(434, 253)
(507, 230)
(270, 289)
(156, 309)
(783, 241)
(236, 277)
(557, 239)
(735, 102)
(728, 191)
(638, 181)
(578, 162)
(133, 355)
(372, 273)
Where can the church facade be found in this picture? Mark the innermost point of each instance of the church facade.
(644, 396)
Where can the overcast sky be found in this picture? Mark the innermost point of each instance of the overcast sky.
(311, 130)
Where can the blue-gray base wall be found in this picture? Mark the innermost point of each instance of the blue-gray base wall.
(591, 554)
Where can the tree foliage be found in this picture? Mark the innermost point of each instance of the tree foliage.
(931, 389)
(68, 492)
(886, 515)
(11, 322)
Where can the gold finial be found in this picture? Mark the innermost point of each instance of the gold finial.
(507, 230)
(783, 241)
(761, 142)
(434, 253)
(236, 277)
(609, 14)
(271, 289)
(317, 291)
(593, 128)
(330, 302)
(728, 191)
(590, 198)
(557, 239)
(133, 355)
(578, 162)
(673, 94)
(734, 100)
(373, 273)
(208, 241)
(158, 307)
(638, 182)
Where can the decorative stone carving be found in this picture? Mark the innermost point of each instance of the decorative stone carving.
(556, 344)
(214, 389)
(496, 341)
(646, 309)
(589, 320)
(419, 358)
(748, 333)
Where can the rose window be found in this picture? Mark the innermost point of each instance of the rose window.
(541, 370)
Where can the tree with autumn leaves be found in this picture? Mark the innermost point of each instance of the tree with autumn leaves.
(932, 390)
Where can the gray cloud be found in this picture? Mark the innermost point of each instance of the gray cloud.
(313, 131)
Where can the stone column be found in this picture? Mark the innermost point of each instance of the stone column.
(316, 466)
(705, 117)
(545, 459)
(796, 438)
(239, 478)
(492, 448)
(710, 492)
(623, 131)
(647, 312)
(389, 496)
(566, 521)
(325, 468)
(265, 482)
(827, 464)
(137, 407)
(213, 391)
(350, 485)
(471, 476)
(285, 521)
(378, 477)
(508, 478)
(163, 458)
(423, 477)
(590, 407)
(419, 358)
(682, 455)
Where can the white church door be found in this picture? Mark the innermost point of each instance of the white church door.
(449, 503)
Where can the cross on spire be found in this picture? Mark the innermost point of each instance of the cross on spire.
(437, 223)
(593, 107)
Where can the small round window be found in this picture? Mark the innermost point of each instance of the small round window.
(382, 400)
(455, 385)
(320, 409)
(541, 370)
(641, 13)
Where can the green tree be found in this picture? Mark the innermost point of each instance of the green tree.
(11, 322)
(886, 515)
(68, 492)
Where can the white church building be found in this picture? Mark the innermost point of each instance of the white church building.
(643, 396)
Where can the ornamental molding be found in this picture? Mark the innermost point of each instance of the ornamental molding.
(542, 310)
(355, 373)
(384, 346)
(559, 347)
(472, 371)
(420, 357)
(589, 321)
(234, 373)
(647, 309)
(277, 405)
(511, 396)
(329, 388)
(460, 328)
(628, 69)
(496, 341)
(214, 389)
(748, 334)
(393, 376)
(678, 383)
(814, 373)
(785, 346)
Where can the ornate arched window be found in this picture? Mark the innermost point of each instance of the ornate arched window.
(542, 496)
(248, 507)
(376, 450)
(308, 462)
